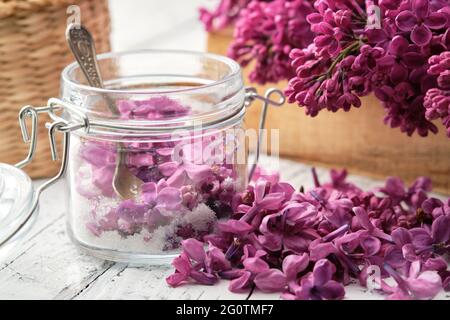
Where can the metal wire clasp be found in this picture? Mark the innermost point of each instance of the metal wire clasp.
(31, 138)
(251, 94)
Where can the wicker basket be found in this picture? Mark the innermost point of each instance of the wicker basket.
(33, 52)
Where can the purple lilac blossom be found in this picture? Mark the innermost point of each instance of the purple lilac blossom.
(310, 244)
(335, 52)
(173, 185)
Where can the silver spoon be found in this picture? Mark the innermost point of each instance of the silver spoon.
(81, 43)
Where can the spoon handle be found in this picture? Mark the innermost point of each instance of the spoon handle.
(83, 48)
(82, 45)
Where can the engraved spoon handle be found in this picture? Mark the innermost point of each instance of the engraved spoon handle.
(83, 48)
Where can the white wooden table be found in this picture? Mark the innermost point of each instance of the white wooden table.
(48, 266)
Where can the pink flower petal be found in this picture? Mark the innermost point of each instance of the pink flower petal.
(241, 284)
(436, 20)
(168, 168)
(272, 280)
(426, 286)
(420, 7)
(406, 20)
(294, 264)
(169, 198)
(194, 249)
(421, 35)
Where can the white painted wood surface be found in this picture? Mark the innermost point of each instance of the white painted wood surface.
(46, 265)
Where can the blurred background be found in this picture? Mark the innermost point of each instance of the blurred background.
(169, 24)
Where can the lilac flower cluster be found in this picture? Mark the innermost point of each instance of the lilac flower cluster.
(223, 15)
(341, 50)
(350, 58)
(437, 100)
(180, 192)
(265, 34)
(310, 244)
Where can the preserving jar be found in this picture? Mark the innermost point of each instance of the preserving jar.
(155, 157)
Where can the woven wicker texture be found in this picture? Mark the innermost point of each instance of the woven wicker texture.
(33, 52)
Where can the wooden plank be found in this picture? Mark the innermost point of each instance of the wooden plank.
(52, 268)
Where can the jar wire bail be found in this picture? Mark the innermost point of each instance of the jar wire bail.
(32, 112)
(252, 95)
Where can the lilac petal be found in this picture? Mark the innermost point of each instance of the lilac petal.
(394, 257)
(405, 20)
(318, 250)
(177, 179)
(323, 272)
(401, 236)
(363, 218)
(426, 286)
(272, 201)
(420, 7)
(296, 243)
(435, 264)
(169, 198)
(255, 265)
(216, 261)
(176, 279)
(299, 211)
(231, 274)
(440, 230)
(194, 249)
(260, 189)
(182, 264)
(165, 152)
(332, 290)
(272, 280)
(242, 283)
(203, 278)
(140, 160)
(370, 245)
(198, 173)
(271, 241)
(168, 168)
(436, 20)
(294, 264)
(421, 238)
(421, 35)
(149, 192)
(409, 252)
(237, 227)
(394, 186)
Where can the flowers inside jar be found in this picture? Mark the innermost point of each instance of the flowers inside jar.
(187, 183)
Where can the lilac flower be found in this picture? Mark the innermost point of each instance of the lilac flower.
(223, 15)
(436, 240)
(266, 32)
(347, 230)
(420, 20)
(417, 285)
(184, 271)
(362, 218)
(291, 228)
(318, 284)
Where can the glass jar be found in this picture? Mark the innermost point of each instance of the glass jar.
(136, 194)
(156, 156)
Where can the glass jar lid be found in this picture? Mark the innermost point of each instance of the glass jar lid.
(16, 199)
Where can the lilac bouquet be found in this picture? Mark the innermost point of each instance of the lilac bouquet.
(336, 51)
(311, 244)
